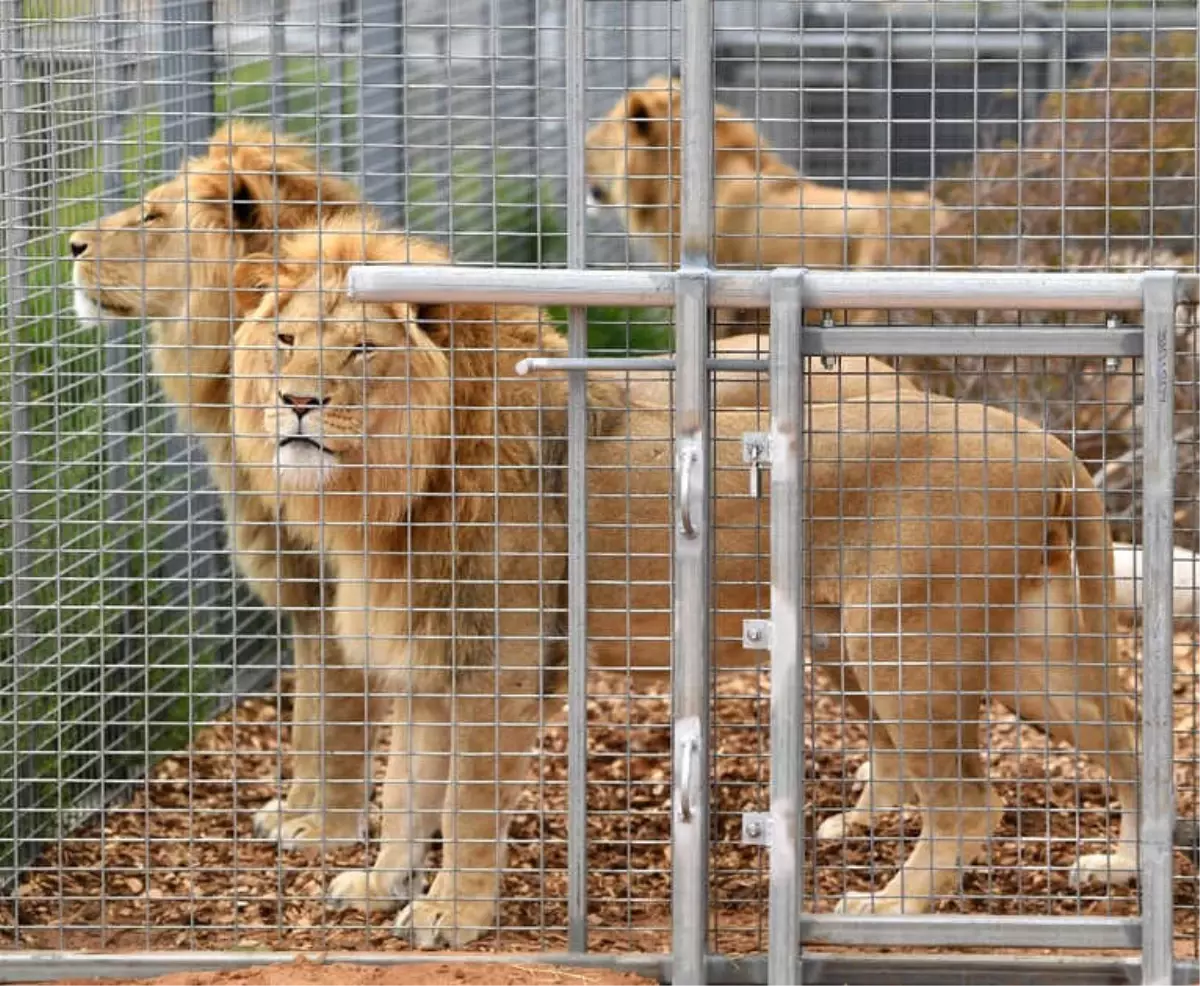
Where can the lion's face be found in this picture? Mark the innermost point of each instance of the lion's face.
(185, 234)
(632, 153)
(333, 394)
(130, 264)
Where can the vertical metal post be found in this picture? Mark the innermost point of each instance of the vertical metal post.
(577, 342)
(787, 623)
(690, 660)
(119, 409)
(277, 81)
(1158, 800)
(14, 230)
(187, 68)
(381, 104)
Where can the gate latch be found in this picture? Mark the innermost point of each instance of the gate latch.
(756, 451)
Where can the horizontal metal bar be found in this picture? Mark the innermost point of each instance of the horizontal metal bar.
(851, 289)
(978, 970)
(632, 364)
(987, 931)
(850, 970)
(965, 340)
(866, 341)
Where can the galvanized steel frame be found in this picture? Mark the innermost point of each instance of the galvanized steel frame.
(694, 290)
(787, 292)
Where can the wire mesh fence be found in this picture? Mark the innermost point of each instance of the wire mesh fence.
(225, 729)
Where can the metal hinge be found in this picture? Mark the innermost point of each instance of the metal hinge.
(756, 452)
(756, 634)
(756, 828)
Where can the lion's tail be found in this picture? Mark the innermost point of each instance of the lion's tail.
(1080, 506)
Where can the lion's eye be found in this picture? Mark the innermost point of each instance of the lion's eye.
(364, 347)
(286, 339)
(151, 216)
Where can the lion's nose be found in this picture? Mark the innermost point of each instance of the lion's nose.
(301, 404)
(79, 245)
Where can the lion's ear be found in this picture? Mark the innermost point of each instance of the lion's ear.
(432, 321)
(275, 182)
(254, 275)
(649, 113)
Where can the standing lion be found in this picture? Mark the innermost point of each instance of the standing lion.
(954, 552)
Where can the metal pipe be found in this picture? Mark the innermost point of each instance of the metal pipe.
(851, 289)
(953, 930)
(787, 624)
(577, 529)
(692, 555)
(1158, 797)
(690, 662)
(866, 341)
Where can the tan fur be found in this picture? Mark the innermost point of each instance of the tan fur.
(933, 595)
(170, 260)
(765, 214)
(846, 378)
(445, 529)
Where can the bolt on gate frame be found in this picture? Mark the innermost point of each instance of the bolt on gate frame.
(695, 288)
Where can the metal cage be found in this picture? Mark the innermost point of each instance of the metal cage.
(674, 834)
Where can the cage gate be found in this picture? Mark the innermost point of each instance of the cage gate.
(786, 293)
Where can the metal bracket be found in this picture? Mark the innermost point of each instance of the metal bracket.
(756, 828)
(756, 634)
(756, 452)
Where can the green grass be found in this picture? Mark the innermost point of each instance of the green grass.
(111, 649)
(114, 646)
(514, 221)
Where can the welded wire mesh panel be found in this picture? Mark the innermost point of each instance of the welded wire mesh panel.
(181, 725)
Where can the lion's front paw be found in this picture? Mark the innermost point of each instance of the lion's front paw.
(835, 827)
(371, 890)
(438, 923)
(1113, 870)
(300, 800)
(858, 902)
(322, 831)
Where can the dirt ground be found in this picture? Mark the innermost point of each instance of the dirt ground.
(177, 867)
(304, 973)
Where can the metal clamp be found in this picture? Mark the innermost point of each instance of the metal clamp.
(687, 458)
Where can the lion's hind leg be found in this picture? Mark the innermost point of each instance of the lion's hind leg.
(934, 723)
(1069, 686)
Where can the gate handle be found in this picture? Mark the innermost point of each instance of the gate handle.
(688, 749)
(688, 457)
